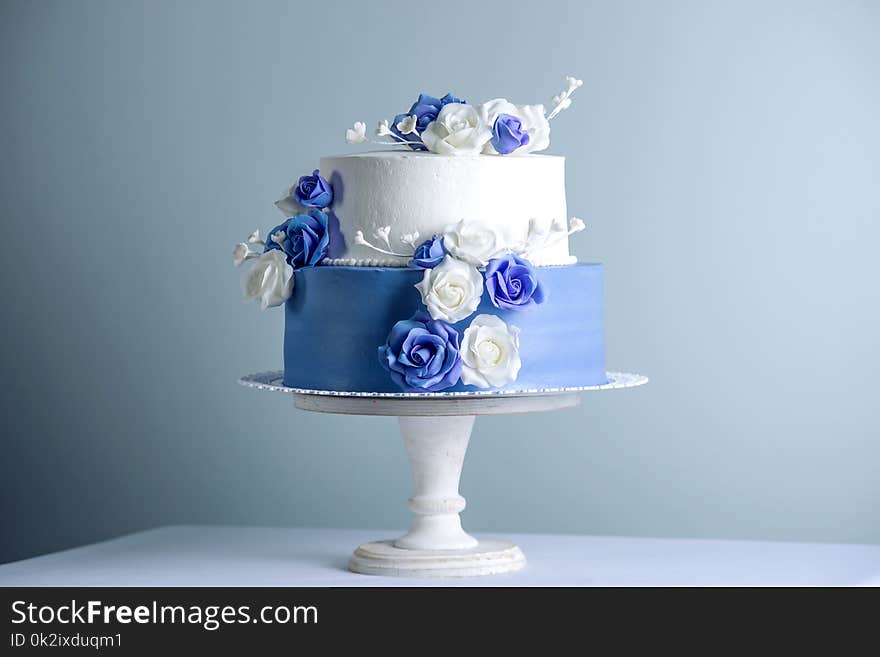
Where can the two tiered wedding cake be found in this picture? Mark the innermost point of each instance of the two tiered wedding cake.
(442, 266)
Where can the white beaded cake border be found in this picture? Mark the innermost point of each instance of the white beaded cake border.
(399, 263)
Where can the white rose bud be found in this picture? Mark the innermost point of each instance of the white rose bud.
(270, 279)
(451, 291)
(457, 130)
(472, 242)
(490, 353)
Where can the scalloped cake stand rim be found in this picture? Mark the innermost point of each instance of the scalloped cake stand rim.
(273, 381)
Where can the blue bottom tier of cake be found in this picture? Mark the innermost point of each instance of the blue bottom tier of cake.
(339, 316)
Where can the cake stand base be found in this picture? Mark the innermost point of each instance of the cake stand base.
(487, 558)
(436, 429)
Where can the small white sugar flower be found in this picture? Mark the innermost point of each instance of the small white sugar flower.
(408, 125)
(383, 234)
(562, 101)
(356, 134)
(240, 254)
(558, 226)
(534, 237)
(537, 228)
(384, 129)
(410, 239)
(254, 238)
(279, 236)
(576, 225)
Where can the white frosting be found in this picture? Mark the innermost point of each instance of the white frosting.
(424, 193)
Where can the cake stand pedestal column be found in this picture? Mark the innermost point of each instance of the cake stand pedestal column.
(436, 428)
(436, 455)
(436, 431)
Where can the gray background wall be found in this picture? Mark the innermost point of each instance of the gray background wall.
(725, 155)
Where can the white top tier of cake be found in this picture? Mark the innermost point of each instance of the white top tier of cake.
(416, 192)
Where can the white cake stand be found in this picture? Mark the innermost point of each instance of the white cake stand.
(436, 428)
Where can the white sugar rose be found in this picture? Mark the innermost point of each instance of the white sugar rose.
(489, 353)
(534, 122)
(270, 279)
(472, 241)
(451, 291)
(457, 130)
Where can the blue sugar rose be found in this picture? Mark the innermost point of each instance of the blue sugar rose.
(313, 191)
(303, 239)
(512, 283)
(422, 354)
(428, 254)
(426, 108)
(508, 134)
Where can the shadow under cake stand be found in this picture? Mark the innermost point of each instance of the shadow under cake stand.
(436, 428)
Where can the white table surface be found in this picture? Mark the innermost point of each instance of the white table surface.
(260, 556)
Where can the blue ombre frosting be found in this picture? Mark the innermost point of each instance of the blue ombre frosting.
(339, 316)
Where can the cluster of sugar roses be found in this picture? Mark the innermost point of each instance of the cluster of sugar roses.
(450, 126)
(426, 353)
(298, 243)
